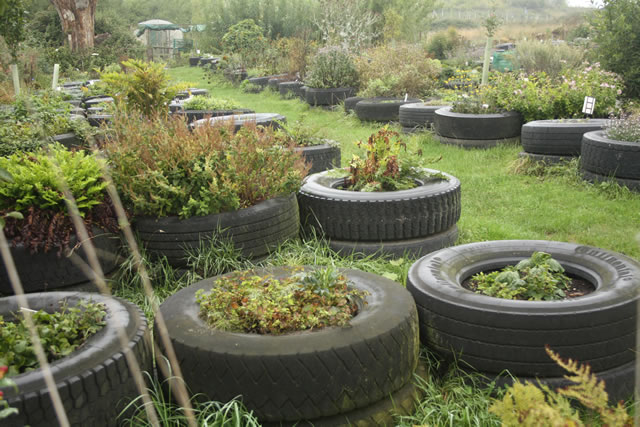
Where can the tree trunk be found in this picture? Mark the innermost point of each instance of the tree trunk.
(77, 17)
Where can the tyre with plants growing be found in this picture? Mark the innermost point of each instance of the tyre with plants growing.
(285, 372)
(94, 380)
(491, 334)
(332, 77)
(381, 109)
(365, 209)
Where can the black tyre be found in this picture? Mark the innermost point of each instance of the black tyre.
(255, 230)
(184, 94)
(332, 96)
(381, 109)
(193, 115)
(398, 248)
(69, 140)
(95, 100)
(459, 126)
(275, 81)
(358, 216)
(322, 157)
(350, 103)
(260, 81)
(194, 60)
(557, 137)
(97, 120)
(631, 184)
(260, 119)
(48, 271)
(94, 382)
(475, 143)
(290, 89)
(494, 334)
(609, 157)
(417, 115)
(306, 375)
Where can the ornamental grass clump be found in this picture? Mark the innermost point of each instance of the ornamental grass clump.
(161, 168)
(624, 129)
(60, 332)
(209, 103)
(539, 278)
(36, 189)
(304, 300)
(383, 168)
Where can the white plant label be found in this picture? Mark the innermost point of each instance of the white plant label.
(589, 105)
(406, 96)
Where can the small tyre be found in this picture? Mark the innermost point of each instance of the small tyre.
(610, 157)
(260, 119)
(305, 375)
(361, 216)
(331, 96)
(494, 334)
(290, 89)
(255, 230)
(460, 126)
(350, 103)
(381, 109)
(557, 137)
(322, 157)
(418, 114)
(45, 271)
(94, 382)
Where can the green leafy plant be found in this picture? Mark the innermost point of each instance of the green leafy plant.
(60, 332)
(36, 190)
(383, 168)
(245, 302)
(474, 104)
(535, 56)
(624, 129)
(209, 103)
(531, 405)
(300, 134)
(5, 409)
(332, 67)
(144, 87)
(162, 168)
(246, 39)
(537, 278)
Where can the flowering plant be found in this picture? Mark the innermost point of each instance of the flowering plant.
(5, 409)
(624, 129)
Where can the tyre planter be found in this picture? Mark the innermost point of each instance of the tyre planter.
(193, 115)
(381, 109)
(556, 139)
(236, 76)
(255, 230)
(194, 60)
(260, 81)
(273, 82)
(417, 116)
(350, 103)
(44, 271)
(191, 92)
(603, 159)
(260, 119)
(94, 101)
(94, 382)
(494, 334)
(327, 97)
(476, 130)
(97, 120)
(322, 156)
(69, 140)
(291, 89)
(310, 375)
(418, 221)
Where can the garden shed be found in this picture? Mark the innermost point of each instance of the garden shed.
(162, 38)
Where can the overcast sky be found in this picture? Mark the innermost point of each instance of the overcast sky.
(584, 3)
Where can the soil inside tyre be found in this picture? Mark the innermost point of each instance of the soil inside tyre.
(579, 287)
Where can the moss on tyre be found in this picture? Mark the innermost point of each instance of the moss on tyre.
(305, 375)
(94, 382)
(494, 334)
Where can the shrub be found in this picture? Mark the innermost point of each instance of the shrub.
(332, 67)
(245, 302)
(443, 43)
(246, 39)
(397, 70)
(624, 129)
(209, 103)
(37, 191)
(162, 168)
(535, 56)
(144, 87)
(538, 96)
(61, 332)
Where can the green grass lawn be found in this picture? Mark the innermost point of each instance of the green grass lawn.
(551, 204)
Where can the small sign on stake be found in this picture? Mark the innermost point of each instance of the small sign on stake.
(589, 105)
(406, 96)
